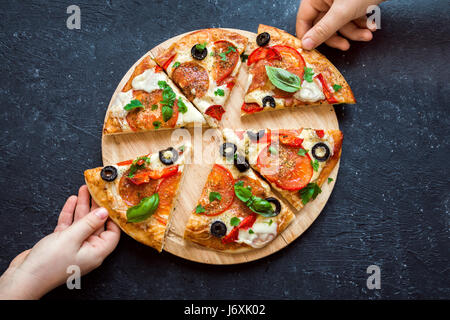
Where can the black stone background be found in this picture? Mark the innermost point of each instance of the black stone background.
(390, 205)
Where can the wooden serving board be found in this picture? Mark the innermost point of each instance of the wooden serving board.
(128, 146)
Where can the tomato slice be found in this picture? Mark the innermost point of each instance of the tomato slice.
(231, 236)
(290, 138)
(320, 133)
(224, 67)
(215, 111)
(219, 180)
(251, 107)
(247, 222)
(290, 56)
(145, 175)
(266, 53)
(287, 169)
(326, 90)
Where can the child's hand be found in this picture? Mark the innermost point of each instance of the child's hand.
(80, 238)
(319, 20)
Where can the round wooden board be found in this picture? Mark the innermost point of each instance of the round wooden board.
(128, 146)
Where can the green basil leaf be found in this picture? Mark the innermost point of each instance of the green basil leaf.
(302, 152)
(244, 57)
(315, 165)
(336, 87)
(201, 46)
(199, 209)
(308, 75)
(250, 231)
(167, 113)
(262, 207)
(330, 180)
(219, 92)
(283, 79)
(144, 210)
(133, 104)
(311, 191)
(181, 106)
(223, 56)
(157, 124)
(273, 150)
(176, 65)
(235, 221)
(154, 106)
(243, 193)
(214, 196)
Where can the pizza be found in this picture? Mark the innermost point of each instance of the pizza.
(149, 101)
(237, 210)
(204, 64)
(140, 194)
(282, 75)
(295, 162)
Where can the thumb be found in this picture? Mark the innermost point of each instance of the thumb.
(87, 225)
(331, 22)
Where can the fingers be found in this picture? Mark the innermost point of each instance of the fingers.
(338, 42)
(86, 226)
(332, 21)
(94, 206)
(66, 216)
(83, 203)
(352, 32)
(305, 18)
(110, 236)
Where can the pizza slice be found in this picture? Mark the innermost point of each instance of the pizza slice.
(295, 162)
(236, 211)
(140, 194)
(149, 101)
(282, 75)
(205, 64)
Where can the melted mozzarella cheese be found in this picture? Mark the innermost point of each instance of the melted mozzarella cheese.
(117, 107)
(310, 92)
(263, 233)
(148, 80)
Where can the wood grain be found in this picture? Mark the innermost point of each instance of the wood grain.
(122, 147)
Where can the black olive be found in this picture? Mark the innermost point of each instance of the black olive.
(168, 160)
(109, 173)
(241, 163)
(268, 100)
(228, 150)
(263, 39)
(218, 229)
(197, 53)
(277, 204)
(256, 136)
(320, 151)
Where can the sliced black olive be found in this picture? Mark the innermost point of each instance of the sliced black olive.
(268, 100)
(168, 156)
(256, 136)
(241, 163)
(276, 203)
(218, 229)
(263, 39)
(320, 151)
(197, 53)
(109, 173)
(228, 150)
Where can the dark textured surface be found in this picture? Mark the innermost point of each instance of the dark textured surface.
(390, 206)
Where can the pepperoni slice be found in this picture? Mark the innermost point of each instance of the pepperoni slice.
(263, 53)
(132, 194)
(144, 118)
(259, 75)
(192, 78)
(216, 111)
(167, 190)
(219, 180)
(287, 169)
(251, 107)
(226, 56)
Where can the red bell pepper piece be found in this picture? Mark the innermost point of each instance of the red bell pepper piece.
(326, 90)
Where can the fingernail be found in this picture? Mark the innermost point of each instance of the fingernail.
(307, 44)
(102, 213)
